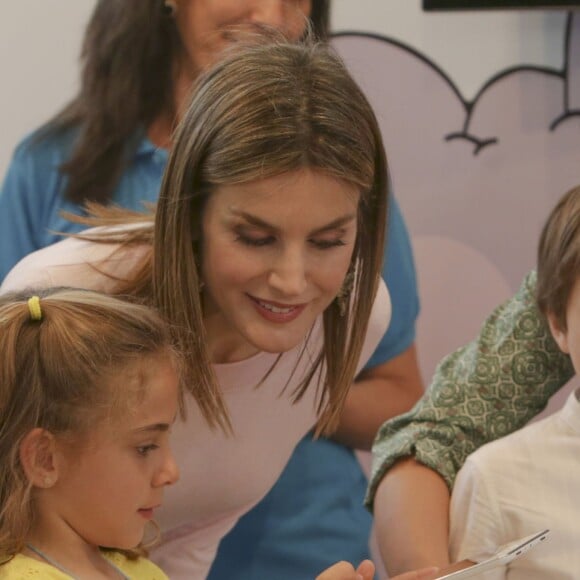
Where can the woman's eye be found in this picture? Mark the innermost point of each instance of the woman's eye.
(326, 244)
(144, 450)
(255, 241)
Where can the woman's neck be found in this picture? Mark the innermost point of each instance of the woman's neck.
(228, 347)
(161, 130)
(224, 343)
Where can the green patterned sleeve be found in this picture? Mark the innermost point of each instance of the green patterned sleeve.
(481, 392)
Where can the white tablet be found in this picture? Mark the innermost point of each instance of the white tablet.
(504, 555)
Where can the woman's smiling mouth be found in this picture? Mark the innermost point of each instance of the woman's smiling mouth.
(275, 311)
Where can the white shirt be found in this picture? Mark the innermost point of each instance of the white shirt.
(221, 477)
(518, 485)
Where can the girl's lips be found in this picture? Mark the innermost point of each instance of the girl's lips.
(147, 513)
(277, 312)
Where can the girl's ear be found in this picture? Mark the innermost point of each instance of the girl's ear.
(560, 336)
(37, 457)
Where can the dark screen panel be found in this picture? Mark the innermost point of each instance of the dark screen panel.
(495, 4)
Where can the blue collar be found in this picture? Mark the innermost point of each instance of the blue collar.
(146, 148)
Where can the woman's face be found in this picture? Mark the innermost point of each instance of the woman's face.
(202, 23)
(275, 254)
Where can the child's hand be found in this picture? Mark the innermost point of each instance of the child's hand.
(346, 571)
(366, 571)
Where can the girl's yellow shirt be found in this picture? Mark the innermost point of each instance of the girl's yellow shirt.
(24, 568)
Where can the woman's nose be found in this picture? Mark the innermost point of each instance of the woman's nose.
(288, 276)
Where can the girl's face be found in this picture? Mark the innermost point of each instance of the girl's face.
(275, 254)
(107, 492)
(202, 23)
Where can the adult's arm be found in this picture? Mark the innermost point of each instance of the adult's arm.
(391, 382)
(30, 198)
(380, 392)
(17, 225)
(411, 510)
(483, 391)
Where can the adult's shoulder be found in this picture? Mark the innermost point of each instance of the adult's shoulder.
(46, 145)
(378, 323)
(382, 309)
(76, 262)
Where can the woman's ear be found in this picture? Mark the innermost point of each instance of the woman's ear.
(560, 336)
(37, 457)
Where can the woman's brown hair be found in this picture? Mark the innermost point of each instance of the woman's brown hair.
(266, 108)
(128, 56)
(57, 373)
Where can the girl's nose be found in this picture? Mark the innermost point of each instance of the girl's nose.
(169, 473)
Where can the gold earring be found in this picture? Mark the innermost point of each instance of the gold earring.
(343, 296)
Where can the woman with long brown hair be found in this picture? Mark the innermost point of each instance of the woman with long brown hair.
(275, 308)
(110, 145)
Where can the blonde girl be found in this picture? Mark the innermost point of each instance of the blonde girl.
(88, 394)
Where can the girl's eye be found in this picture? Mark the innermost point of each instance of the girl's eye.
(326, 244)
(255, 242)
(144, 450)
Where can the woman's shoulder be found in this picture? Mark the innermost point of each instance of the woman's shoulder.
(382, 305)
(140, 568)
(45, 147)
(77, 261)
(378, 322)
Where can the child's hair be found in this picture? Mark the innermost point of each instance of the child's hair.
(559, 257)
(59, 356)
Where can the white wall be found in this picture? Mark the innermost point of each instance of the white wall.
(39, 46)
(500, 39)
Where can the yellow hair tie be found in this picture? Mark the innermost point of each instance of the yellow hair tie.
(34, 308)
